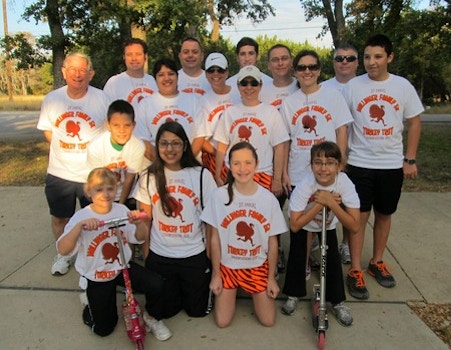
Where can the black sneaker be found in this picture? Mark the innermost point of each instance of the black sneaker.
(380, 272)
(87, 319)
(356, 284)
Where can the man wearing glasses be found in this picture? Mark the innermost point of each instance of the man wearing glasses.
(71, 116)
(345, 67)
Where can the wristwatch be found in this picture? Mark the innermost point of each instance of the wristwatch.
(410, 161)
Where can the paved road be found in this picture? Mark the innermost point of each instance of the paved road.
(22, 125)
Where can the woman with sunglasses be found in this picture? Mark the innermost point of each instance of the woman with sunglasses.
(172, 192)
(167, 104)
(313, 114)
(214, 103)
(257, 123)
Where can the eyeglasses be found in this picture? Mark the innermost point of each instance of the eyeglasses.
(278, 59)
(317, 163)
(216, 70)
(73, 70)
(176, 145)
(252, 82)
(304, 67)
(347, 58)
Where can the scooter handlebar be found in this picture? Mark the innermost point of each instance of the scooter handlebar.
(142, 215)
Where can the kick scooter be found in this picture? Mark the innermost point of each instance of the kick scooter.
(134, 323)
(319, 308)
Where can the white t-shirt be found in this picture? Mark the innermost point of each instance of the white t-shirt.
(334, 84)
(73, 123)
(155, 110)
(128, 160)
(302, 199)
(98, 257)
(213, 107)
(260, 125)
(379, 109)
(181, 235)
(193, 85)
(311, 119)
(274, 95)
(124, 87)
(244, 226)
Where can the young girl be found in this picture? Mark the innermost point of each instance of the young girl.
(329, 187)
(171, 192)
(100, 274)
(245, 219)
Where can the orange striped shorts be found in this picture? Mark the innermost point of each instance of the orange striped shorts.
(254, 280)
(262, 179)
(209, 161)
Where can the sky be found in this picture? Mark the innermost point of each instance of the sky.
(289, 24)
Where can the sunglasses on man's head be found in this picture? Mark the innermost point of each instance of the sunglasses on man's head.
(251, 82)
(304, 67)
(216, 70)
(341, 58)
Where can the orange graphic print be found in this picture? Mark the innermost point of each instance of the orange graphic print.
(110, 253)
(309, 124)
(73, 129)
(245, 232)
(377, 114)
(244, 133)
(176, 207)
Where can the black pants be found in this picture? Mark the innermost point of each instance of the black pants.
(102, 297)
(186, 284)
(295, 283)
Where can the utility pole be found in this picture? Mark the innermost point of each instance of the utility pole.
(9, 77)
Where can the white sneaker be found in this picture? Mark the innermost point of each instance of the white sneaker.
(343, 314)
(343, 249)
(308, 272)
(157, 328)
(290, 306)
(61, 264)
(84, 299)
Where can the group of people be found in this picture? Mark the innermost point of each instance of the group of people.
(211, 160)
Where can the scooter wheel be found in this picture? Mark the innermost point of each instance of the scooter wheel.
(139, 345)
(321, 340)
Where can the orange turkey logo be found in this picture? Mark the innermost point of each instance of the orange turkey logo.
(110, 253)
(245, 232)
(244, 133)
(309, 124)
(73, 129)
(377, 114)
(176, 206)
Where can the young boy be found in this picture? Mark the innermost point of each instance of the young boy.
(379, 102)
(326, 186)
(118, 150)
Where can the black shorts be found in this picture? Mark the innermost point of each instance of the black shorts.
(378, 188)
(62, 195)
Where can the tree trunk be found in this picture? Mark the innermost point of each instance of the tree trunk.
(58, 41)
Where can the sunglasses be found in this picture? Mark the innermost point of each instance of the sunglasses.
(347, 58)
(252, 82)
(304, 67)
(216, 70)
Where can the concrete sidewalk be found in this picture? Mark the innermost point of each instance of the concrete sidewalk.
(40, 311)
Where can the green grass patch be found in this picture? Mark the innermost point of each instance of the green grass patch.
(433, 160)
(21, 103)
(23, 163)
